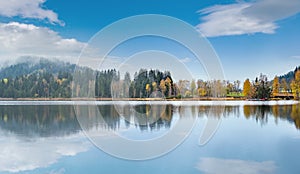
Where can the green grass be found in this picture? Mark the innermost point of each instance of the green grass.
(235, 94)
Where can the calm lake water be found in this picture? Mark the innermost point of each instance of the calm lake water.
(249, 139)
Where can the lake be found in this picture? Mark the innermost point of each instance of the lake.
(150, 137)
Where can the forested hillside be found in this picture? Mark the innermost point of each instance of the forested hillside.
(289, 76)
(49, 79)
(33, 66)
(43, 78)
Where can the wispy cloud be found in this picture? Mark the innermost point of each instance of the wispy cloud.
(18, 39)
(232, 166)
(246, 17)
(28, 9)
(185, 60)
(295, 57)
(59, 171)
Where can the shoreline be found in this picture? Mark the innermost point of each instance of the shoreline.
(138, 99)
(210, 100)
(123, 99)
(154, 102)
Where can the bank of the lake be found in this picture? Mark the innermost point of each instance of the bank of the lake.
(138, 99)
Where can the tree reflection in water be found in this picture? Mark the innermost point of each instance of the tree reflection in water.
(285, 112)
(40, 121)
(45, 121)
(143, 117)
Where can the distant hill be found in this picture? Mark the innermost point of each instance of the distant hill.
(289, 76)
(32, 66)
(36, 78)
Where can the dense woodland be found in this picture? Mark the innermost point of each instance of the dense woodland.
(36, 79)
(48, 79)
(286, 86)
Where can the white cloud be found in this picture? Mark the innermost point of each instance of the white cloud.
(295, 57)
(185, 60)
(232, 166)
(28, 9)
(18, 39)
(246, 17)
(17, 155)
(60, 171)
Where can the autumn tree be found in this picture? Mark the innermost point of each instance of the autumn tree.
(154, 86)
(275, 86)
(295, 85)
(247, 88)
(201, 92)
(162, 86)
(148, 89)
(202, 88)
(284, 85)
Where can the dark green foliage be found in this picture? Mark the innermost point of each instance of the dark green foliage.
(289, 76)
(39, 84)
(47, 79)
(138, 86)
(104, 80)
(44, 79)
(262, 87)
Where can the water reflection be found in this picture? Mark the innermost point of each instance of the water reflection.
(32, 137)
(46, 121)
(19, 154)
(260, 113)
(143, 117)
(234, 166)
(37, 136)
(290, 113)
(39, 121)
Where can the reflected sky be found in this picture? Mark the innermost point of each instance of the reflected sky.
(18, 154)
(251, 139)
(233, 166)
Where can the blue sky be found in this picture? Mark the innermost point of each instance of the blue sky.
(250, 37)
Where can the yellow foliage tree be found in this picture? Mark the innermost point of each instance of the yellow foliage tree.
(188, 94)
(5, 81)
(162, 86)
(276, 86)
(247, 88)
(154, 85)
(148, 89)
(201, 92)
(295, 85)
(284, 85)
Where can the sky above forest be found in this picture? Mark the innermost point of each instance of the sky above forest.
(249, 37)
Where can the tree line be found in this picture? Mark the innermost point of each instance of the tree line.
(157, 84)
(261, 88)
(55, 80)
